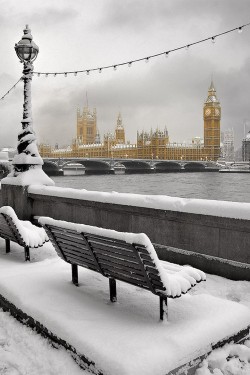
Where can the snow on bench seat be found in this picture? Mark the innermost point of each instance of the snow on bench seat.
(22, 232)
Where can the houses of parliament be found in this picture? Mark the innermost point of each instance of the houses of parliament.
(150, 145)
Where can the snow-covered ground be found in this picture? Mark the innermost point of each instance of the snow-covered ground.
(24, 352)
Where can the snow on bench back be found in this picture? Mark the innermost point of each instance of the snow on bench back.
(177, 279)
(31, 235)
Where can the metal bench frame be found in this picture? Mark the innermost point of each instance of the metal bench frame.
(114, 259)
(9, 232)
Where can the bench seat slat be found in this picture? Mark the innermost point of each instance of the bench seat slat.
(81, 261)
(119, 257)
(71, 251)
(150, 264)
(113, 249)
(113, 260)
(153, 276)
(112, 252)
(3, 223)
(64, 245)
(127, 278)
(62, 230)
(7, 233)
(146, 257)
(112, 242)
(65, 232)
(71, 243)
(104, 238)
(141, 248)
(152, 270)
(158, 284)
(115, 266)
(68, 237)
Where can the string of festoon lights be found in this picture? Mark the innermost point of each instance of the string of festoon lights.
(129, 63)
(12, 88)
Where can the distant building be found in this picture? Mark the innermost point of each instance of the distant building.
(86, 126)
(150, 145)
(227, 139)
(212, 117)
(246, 148)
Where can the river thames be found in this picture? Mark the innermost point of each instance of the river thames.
(204, 185)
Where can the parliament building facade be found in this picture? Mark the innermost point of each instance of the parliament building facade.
(149, 145)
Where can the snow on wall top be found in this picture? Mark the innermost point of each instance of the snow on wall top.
(236, 210)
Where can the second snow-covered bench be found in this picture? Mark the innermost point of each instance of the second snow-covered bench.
(22, 232)
(121, 256)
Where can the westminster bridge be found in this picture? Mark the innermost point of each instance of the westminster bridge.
(56, 166)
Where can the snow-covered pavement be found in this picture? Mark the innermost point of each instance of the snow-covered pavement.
(23, 352)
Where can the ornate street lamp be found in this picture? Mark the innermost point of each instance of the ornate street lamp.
(28, 156)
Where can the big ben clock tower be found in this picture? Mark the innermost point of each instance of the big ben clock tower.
(212, 116)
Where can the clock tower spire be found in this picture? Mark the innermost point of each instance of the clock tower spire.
(212, 116)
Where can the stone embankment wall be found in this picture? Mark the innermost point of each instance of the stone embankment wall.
(217, 245)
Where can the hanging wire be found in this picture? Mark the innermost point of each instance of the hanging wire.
(146, 58)
(130, 62)
(12, 88)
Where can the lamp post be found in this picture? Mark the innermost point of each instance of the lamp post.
(27, 156)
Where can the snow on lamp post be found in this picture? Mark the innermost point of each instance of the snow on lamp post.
(27, 156)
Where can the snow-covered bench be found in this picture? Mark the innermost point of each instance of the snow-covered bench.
(22, 232)
(121, 256)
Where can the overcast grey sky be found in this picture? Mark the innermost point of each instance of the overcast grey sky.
(85, 34)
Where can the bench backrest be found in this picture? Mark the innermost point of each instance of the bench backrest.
(8, 230)
(111, 257)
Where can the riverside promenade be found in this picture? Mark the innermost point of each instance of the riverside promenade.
(81, 321)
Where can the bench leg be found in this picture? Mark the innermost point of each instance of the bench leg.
(112, 290)
(7, 246)
(27, 253)
(163, 308)
(74, 274)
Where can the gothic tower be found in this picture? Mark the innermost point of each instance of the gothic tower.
(212, 116)
(86, 126)
(119, 131)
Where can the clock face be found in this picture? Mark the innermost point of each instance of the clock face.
(217, 112)
(207, 111)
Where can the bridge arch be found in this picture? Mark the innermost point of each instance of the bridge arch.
(167, 166)
(135, 166)
(194, 167)
(51, 168)
(92, 166)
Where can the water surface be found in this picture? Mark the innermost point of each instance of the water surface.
(204, 185)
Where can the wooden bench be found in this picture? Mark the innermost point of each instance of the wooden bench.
(25, 234)
(120, 256)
